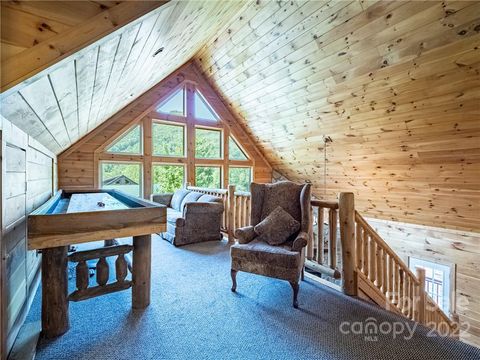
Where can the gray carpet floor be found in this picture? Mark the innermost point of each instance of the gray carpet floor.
(194, 315)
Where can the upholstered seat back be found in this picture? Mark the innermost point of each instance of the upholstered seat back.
(293, 198)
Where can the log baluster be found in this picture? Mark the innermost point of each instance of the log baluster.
(332, 242)
(82, 275)
(121, 268)
(102, 271)
(320, 225)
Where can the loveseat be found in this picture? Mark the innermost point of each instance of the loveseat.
(191, 216)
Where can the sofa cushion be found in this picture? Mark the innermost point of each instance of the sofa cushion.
(209, 198)
(260, 252)
(173, 215)
(277, 227)
(191, 197)
(177, 198)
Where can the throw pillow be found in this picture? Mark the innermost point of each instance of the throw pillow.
(277, 227)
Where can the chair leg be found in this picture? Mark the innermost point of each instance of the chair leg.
(233, 274)
(295, 288)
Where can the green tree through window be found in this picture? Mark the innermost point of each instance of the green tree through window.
(168, 178)
(234, 151)
(208, 177)
(240, 177)
(168, 140)
(130, 143)
(208, 144)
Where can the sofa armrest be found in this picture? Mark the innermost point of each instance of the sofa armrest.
(245, 234)
(163, 199)
(300, 241)
(210, 208)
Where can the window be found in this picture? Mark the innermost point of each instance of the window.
(128, 143)
(241, 177)
(167, 178)
(202, 109)
(208, 144)
(234, 151)
(208, 177)
(168, 140)
(175, 105)
(437, 281)
(122, 176)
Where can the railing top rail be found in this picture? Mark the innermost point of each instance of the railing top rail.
(242, 193)
(359, 218)
(200, 189)
(324, 204)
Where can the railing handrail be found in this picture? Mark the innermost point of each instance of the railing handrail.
(324, 204)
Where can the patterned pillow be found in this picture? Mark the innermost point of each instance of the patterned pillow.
(277, 227)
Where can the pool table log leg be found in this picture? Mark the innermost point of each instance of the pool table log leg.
(55, 320)
(142, 257)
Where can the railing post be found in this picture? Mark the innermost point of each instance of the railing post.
(231, 213)
(347, 236)
(421, 295)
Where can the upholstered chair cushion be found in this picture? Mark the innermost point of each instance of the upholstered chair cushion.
(177, 199)
(259, 252)
(210, 198)
(277, 227)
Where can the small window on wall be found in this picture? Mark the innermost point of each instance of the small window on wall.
(208, 177)
(241, 177)
(167, 178)
(174, 105)
(203, 110)
(128, 143)
(208, 144)
(122, 176)
(168, 140)
(437, 281)
(234, 151)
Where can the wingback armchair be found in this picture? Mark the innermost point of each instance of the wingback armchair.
(285, 261)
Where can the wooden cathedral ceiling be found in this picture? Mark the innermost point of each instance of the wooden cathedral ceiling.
(68, 99)
(395, 85)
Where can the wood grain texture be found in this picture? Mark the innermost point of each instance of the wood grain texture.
(395, 85)
(69, 98)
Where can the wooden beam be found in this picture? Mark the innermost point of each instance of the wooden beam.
(31, 62)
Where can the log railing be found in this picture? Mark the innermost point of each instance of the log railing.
(83, 291)
(322, 250)
(364, 262)
(384, 277)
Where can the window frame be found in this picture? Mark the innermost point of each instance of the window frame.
(171, 123)
(232, 138)
(125, 162)
(119, 137)
(448, 282)
(168, 98)
(222, 150)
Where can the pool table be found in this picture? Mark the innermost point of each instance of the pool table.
(73, 217)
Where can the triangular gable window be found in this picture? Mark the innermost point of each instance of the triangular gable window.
(175, 105)
(234, 151)
(128, 143)
(203, 110)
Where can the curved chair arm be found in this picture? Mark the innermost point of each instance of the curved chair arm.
(245, 234)
(163, 199)
(300, 241)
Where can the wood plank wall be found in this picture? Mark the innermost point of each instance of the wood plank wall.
(27, 182)
(78, 165)
(394, 84)
(445, 247)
